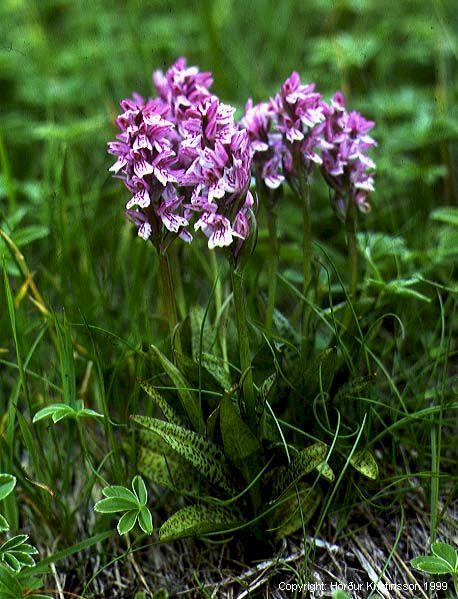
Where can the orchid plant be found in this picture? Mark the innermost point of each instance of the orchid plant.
(17, 556)
(290, 135)
(191, 167)
(184, 159)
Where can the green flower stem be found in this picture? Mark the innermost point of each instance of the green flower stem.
(350, 229)
(82, 439)
(178, 281)
(169, 298)
(219, 305)
(273, 265)
(304, 196)
(244, 345)
(307, 238)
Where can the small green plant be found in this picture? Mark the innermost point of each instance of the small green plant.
(60, 411)
(16, 557)
(443, 561)
(132, 504)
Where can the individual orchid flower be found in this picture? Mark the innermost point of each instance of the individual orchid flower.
(185, 162)
(299, 119)
(348, 170)
(269, 151)
(147, 151)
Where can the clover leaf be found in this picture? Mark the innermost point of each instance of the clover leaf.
(7, 484)
(16, 553)
(133, 503)
(444, 560)
(59, 411)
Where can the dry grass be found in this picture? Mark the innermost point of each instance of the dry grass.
(375, 549)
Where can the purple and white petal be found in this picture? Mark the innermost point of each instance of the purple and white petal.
(144, 231)
(118, 165)
(141, 199)
(143, 168)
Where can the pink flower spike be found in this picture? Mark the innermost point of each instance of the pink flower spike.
(346, 167)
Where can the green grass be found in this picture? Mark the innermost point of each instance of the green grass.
(81, 302)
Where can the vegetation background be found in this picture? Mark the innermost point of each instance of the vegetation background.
(85, 288)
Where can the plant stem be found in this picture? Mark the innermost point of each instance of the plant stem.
(244, 345)
(178, 281)
(273, 265)
(218, 306)
(9, 181)
(304, 196)
(82, 439)
(169, 298)
(307, 241)
(350, 228)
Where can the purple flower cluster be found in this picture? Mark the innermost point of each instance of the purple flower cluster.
(297, 129)
(346, 166)
(299, 110)
(188, 164)
(146, 162)
(267, 145)
(185, 160)
(285, 132)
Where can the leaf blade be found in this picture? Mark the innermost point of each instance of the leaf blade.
(197, 520)
(188, 399)
(303, 463)
(363, 461)
(446, 552)
(430, 564)
(112, 505)
(127, 522)
(205, 456)
(7, 484)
